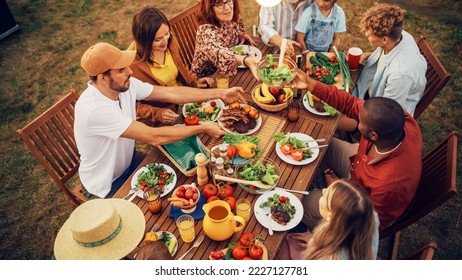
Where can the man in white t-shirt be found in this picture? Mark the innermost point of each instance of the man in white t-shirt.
(105, 124)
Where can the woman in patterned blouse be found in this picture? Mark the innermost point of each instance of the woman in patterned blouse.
(222, 29)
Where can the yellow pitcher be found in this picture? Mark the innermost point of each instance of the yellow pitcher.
(219, 222)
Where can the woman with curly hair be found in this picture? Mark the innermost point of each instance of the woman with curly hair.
(222, 28)
(349, 228)
(396, 69)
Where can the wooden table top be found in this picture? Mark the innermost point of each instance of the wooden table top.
(293, 177)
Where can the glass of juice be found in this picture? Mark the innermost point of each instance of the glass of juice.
(153, 200)
(185, 224)
(243, 208)
(222, 81)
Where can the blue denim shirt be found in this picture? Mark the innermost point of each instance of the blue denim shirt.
(400, 75)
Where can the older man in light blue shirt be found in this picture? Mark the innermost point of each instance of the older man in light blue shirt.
(279, 22)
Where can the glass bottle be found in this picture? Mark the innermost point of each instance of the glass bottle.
(219, 169)
(223, 154)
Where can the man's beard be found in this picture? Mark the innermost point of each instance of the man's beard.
(115, 87)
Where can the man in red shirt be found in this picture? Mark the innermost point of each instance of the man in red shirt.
(387, 162)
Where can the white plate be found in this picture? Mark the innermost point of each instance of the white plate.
(311, 144)
(251, 131)
(311, 109)
(167, 188)
(274, 225)
(172, 237)
(207, 104)
(252, 51)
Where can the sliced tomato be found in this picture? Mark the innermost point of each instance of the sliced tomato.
(287, 149)
(297, 154)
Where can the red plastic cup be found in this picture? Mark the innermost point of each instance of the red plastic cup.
(354, 54)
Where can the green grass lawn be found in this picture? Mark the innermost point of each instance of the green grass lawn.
(42, 63)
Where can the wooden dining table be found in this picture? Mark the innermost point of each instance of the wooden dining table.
(293, 177)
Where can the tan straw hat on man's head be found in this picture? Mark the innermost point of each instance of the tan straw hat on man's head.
(100, 229)
(103, 56)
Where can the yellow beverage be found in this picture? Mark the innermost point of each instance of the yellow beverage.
(243, 211)
(186, 228)
(222, 82)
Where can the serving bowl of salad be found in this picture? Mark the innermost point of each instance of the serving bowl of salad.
(274, 76)
(264, 170)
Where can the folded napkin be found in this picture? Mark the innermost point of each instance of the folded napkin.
(198, 213)
(184, 151)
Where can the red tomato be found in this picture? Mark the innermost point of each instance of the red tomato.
(282, 199)
(188, 193)
(231, 202)
(213, 103)
(255, 252)
(239, 252)
(191, 120)
(246, 239)
(164, 175)
(231, 152)
(275, 66)
(210, 190)
(181, 188)
(247, 259)
(333, 59)
(161, 182)
(195, 196)
(287, 149)
(225, 191)
(297, 154)
(212, 198)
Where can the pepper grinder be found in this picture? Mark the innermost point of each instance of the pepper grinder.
(202, 175)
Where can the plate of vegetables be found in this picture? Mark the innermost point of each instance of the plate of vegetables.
(264, 170)
(154, 175)
(296, 148)
(324, 67)
(166, 238)
(207, 111)
(249, 50)
(318, 107)
(286, 210)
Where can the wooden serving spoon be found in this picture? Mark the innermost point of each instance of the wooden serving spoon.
(257, 184)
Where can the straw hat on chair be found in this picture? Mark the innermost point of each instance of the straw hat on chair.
(100, 229)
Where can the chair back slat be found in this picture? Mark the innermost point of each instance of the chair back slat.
(50, 138)
(437, 184)
(437, 76)
(184, 27)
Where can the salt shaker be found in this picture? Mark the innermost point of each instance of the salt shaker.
(202, 175)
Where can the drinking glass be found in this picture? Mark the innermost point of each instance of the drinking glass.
(243, 208)
(153, 199)
(222, 81)
(185, 224)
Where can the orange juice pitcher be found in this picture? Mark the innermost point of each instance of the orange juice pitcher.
(219, 222)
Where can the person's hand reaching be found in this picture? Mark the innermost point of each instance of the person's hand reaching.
(168, 116)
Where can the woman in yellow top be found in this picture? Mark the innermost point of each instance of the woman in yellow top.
(156, 63)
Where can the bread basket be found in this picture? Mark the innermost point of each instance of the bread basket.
(268, 107)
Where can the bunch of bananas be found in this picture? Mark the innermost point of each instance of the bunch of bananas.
(263, 95)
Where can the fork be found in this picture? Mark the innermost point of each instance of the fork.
(195, 245)
(129, 193)
(266, 211)
(287, 190)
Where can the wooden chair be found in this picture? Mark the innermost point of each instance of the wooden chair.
(50, 137)
(437, 185)
(183, 27)
(424, 253)
(437, 76)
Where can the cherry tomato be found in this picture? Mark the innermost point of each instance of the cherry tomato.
(297, 154)
(164, 175)
(181, 188)
(213, 103)
(275, 66)
(239, 252)
(180, 194)
(282, 199)
(188, 194)
(332, 59)
(287, 149)
(255, 252)
(246, 239)
(210, 190)
(191, 120)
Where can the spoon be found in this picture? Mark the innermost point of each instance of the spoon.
(300, 192)
(283, 50)
(320, 146)
(257, 184)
